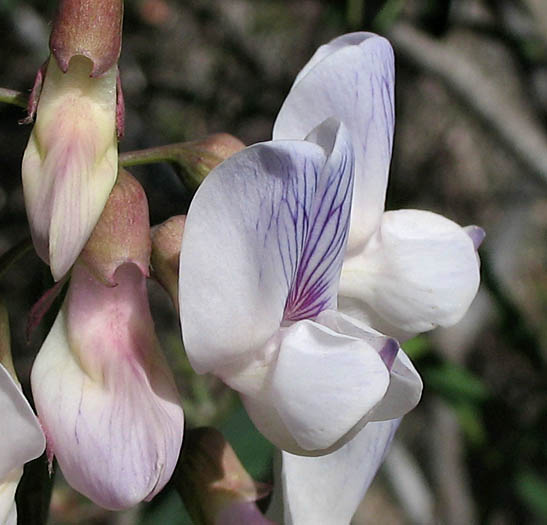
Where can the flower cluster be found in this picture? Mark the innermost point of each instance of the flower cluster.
(294, 287)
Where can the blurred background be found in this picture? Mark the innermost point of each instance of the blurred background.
(470, 143)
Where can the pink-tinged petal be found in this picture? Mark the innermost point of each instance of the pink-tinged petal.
(71, 161)
(419, 271)
(328, 489)
(352, 80)
(22, 437)
(264, 237)
(104, 393)
(242, 512)
(316, 390)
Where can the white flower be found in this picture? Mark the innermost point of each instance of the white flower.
(263, 249)
(22, 441)
(260, 262)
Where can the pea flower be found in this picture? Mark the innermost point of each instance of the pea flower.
(104, 393)
(71, 160)
(22, 437)
(263, 246)
(404, 271)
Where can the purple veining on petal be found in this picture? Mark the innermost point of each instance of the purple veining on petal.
(288, 209)
(389, 351)
(315, 284)
(477, 235)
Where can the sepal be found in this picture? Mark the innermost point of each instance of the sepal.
(90, 28)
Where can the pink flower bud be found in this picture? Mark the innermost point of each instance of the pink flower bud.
(122, 234)
(104, 392)
(71, 161)
(166, 242)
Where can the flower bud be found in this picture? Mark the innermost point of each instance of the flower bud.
(122, 234)
(213, 483)
(90, 28)
(71, 161)
(166, 242)
(198, 157)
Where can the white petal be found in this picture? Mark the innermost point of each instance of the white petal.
(405, 384)
(420, 270)
(22, 437)
(316, 281)
(256, 236)
(324, 383)
(328, 489)
(321, 386)
(352, 80)
(404, 392)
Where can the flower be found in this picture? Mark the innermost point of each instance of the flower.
(71, 160)
(404, 271)
(22, 436)
(263, 246)
(103, 390)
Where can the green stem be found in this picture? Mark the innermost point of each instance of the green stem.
(14, 254)
(16, 98)
(146, 156)
(192, 162)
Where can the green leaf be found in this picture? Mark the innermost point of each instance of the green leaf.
(455, 383)
(471, 423)
(417, 347)
(171, 510)
(253, 449)
(532, 489)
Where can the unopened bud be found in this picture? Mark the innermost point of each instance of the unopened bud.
(166, 242)
(91, 28)
(71, 161)
(212, 481)
(198, 157)
(122, 234)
